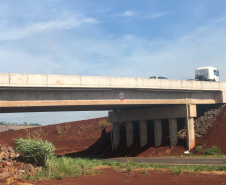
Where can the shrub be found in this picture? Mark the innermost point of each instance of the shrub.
(10, 129)
(212, 151)
(175, 170)
(59, 129)
(36, 152)
(103, 124)
(198, 149)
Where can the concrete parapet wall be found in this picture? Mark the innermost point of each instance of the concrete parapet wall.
(170, 112)
(62, 81)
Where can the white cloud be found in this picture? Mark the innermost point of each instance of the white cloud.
(128, 13)
(13, 33)
(155, 15)
(219, 20)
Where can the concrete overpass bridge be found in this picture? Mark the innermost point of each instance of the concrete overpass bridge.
(128, 99)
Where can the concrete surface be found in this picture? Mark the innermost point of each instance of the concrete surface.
(190, 133)
(40, 80)
(173, 132)
(129, 133)
(116, 135)
(143, 133)
(158, 132)
(167, 112)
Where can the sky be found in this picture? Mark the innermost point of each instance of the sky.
(128, 38)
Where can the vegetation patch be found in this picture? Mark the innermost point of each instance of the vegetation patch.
(212, 151)
(36, 152)
(103, 124)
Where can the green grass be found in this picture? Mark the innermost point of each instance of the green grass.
(198, 149)
(36, 152)
(212, 151)
(62, 167)
(194, 156)
(41, 152)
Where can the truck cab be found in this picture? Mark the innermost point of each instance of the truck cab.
(207, 73)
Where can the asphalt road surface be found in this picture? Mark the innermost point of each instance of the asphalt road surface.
(174, 161)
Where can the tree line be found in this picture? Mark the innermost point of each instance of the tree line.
(19, 124)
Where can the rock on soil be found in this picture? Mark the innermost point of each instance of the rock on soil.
(204, 121)
(216, 134)
(10, 169)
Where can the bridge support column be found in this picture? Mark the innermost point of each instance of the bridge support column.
(173, 132)
(116, 135)
(158, 132)
(129, 133)
(143, 133)
(190, 133)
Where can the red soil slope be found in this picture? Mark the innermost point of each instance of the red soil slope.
(79, 136)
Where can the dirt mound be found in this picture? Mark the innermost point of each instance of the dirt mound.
(215, 136)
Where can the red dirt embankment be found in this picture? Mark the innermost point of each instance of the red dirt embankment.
(76, 136)
(216, 135)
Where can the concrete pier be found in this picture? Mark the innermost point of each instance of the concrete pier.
(143, 133)
(190, 133)
(129, 133)
(173, 132)
(116, 135)
(158, 132)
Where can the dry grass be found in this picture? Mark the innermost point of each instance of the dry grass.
(103, 124)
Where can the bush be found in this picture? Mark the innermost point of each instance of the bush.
(10, 129)
(36, 152)
(103, 124)
(175, 170)
(212, 151)
(198, 149)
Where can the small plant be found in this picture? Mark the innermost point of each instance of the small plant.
(129, 169)
(198, 149)
(175, 154)
(59, 129)
(144, 171)
(82, 127)
(212, 151)
(37, 152)
(10, 130)
(175, 170)
(174, 180)
(78, 132)
(103, 124)
(67, 127)
(125, 181)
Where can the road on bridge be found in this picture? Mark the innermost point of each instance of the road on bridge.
(173, 161)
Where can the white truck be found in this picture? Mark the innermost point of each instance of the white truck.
(207, 74)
